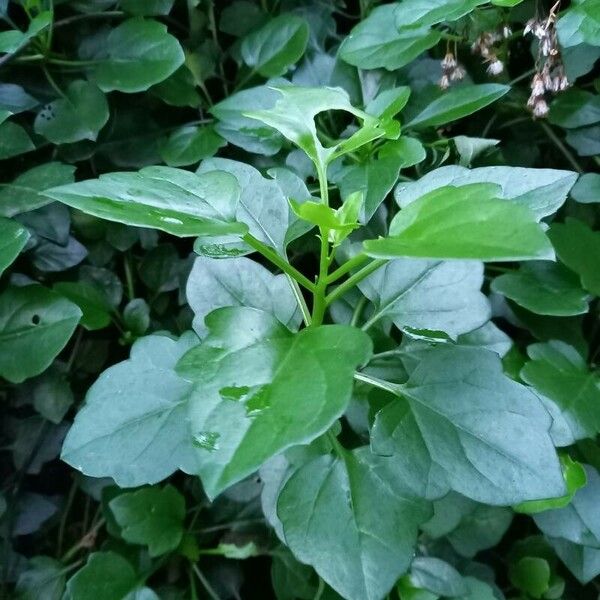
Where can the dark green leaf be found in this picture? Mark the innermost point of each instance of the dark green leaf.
(13, 238)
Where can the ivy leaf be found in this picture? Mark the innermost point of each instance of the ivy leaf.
(80, 115)
(24, 193)
(138, 54)
(173, 200)
(93, 304)
(544, 288)
(575, 108)
(414, 13)
(578, 246)
(152, 517)
(14, 140)
(437, 576)
(543, 191)
(464, 222)
(276, 46)
(421, 294)
(107, 576)
(215, 283)
(136, 409)
(260, 389)
(14, 40)
(13, 238)
(376, 42)
(457, 103)
(147, 7)
(33, 317)
(583, 561)
(326, 510)
(472, 427)
(44, 579)
(557, 371)
(587, 189)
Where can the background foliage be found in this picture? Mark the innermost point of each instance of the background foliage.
(477, 355)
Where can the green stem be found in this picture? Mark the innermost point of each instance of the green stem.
(320, 290)
(337, 447)
(209, 589)
(278, 261)
(299, 299)
(348, 266)
(376, 382)
(352, 281)
(129, 276)
(360, 306)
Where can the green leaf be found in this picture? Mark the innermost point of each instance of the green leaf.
(575, 108)
(469, 427)
(240, 130)
(276, 46)
(578, 246)
(33, 317)
(44, 579)
(326, 511)
(215, 283)
(376, 42)
(579, 521)
(173, 200)
(136, 409)
(575, 478)
(14, 140)
(389, 103)
(107, 576)
(14, 40)
(294, 117)
(13, 238)
(94, 307)
(151, 517)
(263, 203)
(421, 294)
(138, 53)
(437, 576)
(531, 575)
(458, 102)
(464, 222)
(582, 561)
(543, 191)
(544, 288)
(79, 115)
(256, 384)
(25, 192)
(136, 316)
(586, 140)
(557, 371)
(587, 189)
(580, 24)
(415, 13)
(190, 144)
(469, 148)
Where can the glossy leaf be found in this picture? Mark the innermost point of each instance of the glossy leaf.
(13, 238)
(426, 12)
(252, 395)
(464, 222)
(33, 317)
(189, 145)
(164, 198)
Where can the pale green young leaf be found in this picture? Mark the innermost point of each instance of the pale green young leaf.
(33, 317)
(165, 198)
(152, 517)
(326, 510)
(260, 389)
(464, 222)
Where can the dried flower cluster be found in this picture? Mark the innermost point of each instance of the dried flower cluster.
(486, 46)
(550, 76)
(452, 71)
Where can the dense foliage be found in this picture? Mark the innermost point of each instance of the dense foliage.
(299, 299)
